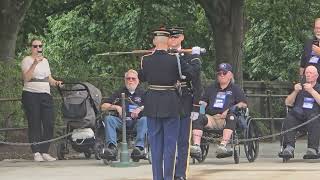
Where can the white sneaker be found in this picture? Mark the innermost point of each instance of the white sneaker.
(47, 157)
(195, 150)
(37, 157)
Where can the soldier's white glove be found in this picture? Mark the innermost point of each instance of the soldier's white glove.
(196, 50)
(194, 116)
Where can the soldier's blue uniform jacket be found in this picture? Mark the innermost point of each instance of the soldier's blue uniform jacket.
(162, 108)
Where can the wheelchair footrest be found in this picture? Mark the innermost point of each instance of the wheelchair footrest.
(310, 156)
(225, 155)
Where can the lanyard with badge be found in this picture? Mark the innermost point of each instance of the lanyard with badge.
(314, 58)
(220, 100)
(308, 103)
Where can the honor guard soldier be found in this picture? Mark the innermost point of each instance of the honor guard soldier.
(162, 104)
(191, 92)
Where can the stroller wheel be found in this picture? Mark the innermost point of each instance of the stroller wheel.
(97, 156)
(107, 161)
(87, 155)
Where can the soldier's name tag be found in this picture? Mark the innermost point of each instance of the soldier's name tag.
(314, 59)
(220, 100)
(308, 103)
(132, 107)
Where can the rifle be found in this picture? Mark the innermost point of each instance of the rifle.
(202, 50)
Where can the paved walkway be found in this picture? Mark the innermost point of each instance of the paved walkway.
(267, 166)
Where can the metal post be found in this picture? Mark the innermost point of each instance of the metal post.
(124, 154)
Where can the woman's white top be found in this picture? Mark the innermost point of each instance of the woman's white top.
(40, 77)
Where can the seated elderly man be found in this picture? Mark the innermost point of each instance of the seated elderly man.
(304, 100)
(219, 98)
(134, 108)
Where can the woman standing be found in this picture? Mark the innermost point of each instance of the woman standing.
(37, 101)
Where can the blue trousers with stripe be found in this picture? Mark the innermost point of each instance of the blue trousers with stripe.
(163, 135)
(183, 147)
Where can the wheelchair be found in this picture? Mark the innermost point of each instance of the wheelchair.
(246, 129)
(100, 145)
(300, 132)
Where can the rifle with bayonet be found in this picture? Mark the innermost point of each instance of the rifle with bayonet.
(202, 50)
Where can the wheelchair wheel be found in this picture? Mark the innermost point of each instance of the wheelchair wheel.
(251, 148)
(61, 150)
(204, 151)
(87, 155)
(149, 156)
(236, 154)
(98, 148)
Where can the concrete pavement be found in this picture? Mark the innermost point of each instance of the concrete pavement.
(267, 166)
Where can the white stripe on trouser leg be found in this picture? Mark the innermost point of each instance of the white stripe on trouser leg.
(174, 161)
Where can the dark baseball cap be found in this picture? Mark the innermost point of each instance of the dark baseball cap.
(224, 67)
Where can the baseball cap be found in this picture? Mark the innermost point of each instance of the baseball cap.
(224, 67)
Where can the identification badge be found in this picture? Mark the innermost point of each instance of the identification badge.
(314, 59)
(308, 103)
(132, 107)
(220, 100)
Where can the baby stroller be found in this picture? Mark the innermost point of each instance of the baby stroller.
(80, 104)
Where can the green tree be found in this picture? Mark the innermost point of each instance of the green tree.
(12, 13)
(275, 36)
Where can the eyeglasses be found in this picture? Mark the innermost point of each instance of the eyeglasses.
(131, 78)
(222, 73)
(37, 46)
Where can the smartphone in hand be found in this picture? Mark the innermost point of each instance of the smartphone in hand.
(315, 42)
(303, 80)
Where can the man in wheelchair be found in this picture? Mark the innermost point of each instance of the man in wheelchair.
(219, 98)
(304, 100)
(134, 119)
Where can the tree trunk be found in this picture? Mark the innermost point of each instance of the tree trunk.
(12, 13)
(226, 20)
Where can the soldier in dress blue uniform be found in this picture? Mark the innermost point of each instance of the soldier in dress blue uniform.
(191, 93)
(162, 104)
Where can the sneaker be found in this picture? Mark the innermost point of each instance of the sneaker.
(311, 151)
(137, 152)
(37, 157)
(195, 150)
(222, 151)
(288, 151)
(311, 154)
(48, 157)
(111, 153)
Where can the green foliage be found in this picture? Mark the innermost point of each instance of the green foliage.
(74, 38)
(10, 78)
(74, 31)
(275, 37)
